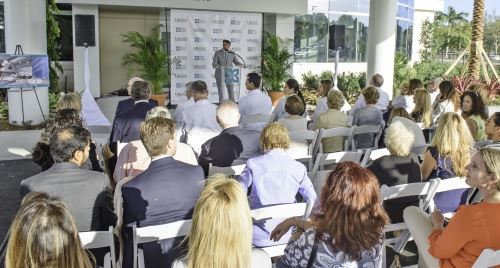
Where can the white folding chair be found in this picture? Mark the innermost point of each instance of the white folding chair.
(309, 136)
(425, 190)
(100, 239)
(232, 170)
(372, 155)
(332, 158)
(488, 258)
(344, 132)
(450, 184)
(155, 233)
(319, 179)
(419, 150)
(280, 211)
(367, 129)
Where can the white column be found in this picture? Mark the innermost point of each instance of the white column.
(382, 41)
(25, 26)
(78, 53)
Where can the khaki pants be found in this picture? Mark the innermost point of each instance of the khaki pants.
(420, 226)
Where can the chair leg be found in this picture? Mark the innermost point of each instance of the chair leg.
(403, 239)
(140, 260)
(384, 255)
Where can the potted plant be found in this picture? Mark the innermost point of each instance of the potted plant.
(276, 61)
(149, 59)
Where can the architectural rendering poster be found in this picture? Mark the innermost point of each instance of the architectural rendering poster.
(23, 71)
(196, 35)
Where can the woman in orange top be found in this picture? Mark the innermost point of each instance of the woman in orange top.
(472, 229)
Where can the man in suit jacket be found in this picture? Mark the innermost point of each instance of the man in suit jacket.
(165, 192)
(224, 58)
(128, 104)
(85, 191)
(233, 146)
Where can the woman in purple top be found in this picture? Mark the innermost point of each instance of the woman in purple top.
(274, 178)
(447, 156)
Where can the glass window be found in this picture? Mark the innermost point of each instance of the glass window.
(356, 36)
(2, 29)
(311, 38)
(403, 12)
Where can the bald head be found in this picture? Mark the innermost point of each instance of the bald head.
(228, 114)
(131, 82)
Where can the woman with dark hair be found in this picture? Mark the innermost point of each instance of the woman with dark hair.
(347, 228)
(291, 88)
(448, 100)
(474, 113)
(62, 119)
(492, 129)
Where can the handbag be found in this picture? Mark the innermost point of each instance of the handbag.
(312, 257)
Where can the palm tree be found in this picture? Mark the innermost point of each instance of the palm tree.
(451, 19)
(476, 39)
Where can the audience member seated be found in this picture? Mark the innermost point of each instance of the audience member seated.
(369, 115)
(134, 158)
(446, 157)
(294, 108)
(400, 167)
(233, 146)
(321, 103)
(405, 99)
(255, 102)
(44, 234)
(472, 229)
(492, 129)
(422, 113)
(198, 122)
(182, 106)
(85, 191)
(291, 88)
(399, 112)
(221, 233)
(69, 101)
(383, 101)
(448, 100)
(62, 119)
(129, 103)
(331, 119)
(474, 113)
(433, 87)
(274, 178)
(347, 229)
(165, 192)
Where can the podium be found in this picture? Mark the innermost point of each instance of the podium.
(231, 77)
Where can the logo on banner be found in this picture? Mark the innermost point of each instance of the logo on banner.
(252, 31)
(251, 49)
(235, 22)
(251, 66)
(197, 39)
(200, 30)
(217, 40)
(217, 21)
(180, 30)
(199, 48)
(179, 58)
(181, 39)
(180, 66)
(198, 21)
(236, 49)
(232, 75)
(252, 22)
(252, 40)
(235, 31)
(217, 31)
(180, 20)
(180, 48)
(199, 57)
(178, 85)
(235, 40)
(199, 76)
(178, 76)
(196, 66)
(252, 57)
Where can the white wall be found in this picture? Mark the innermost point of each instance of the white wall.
(318, 67)
(424, 10)
(78, 53)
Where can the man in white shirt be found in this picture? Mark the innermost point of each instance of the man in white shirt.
(199, 122)
(255, 103)
(376, 81)
(433, 87)
(182, 106)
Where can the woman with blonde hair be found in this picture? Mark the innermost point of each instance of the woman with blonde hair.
(422, 113)
(331, 119)
(447, 156)
(70, 101)
(274, 178)
(472, 229)
(221, 234)
(44, 234)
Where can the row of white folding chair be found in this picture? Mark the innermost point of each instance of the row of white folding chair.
(333, 158)
(488, 258)
(231, 170)
(348, 134)
(425, 190)
(100, 239)
(372, 155)
(183, 228)
(312, 137)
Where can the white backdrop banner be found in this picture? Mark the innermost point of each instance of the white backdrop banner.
(196, 35)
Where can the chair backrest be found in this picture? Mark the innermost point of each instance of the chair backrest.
(282, 211)
(232, 170)
(427, 189)
(346, 132)
(372, 155)
(445, 185)
(419, 150)
(332, 158)
(258, 118)
(100, 239)
(366, 129)
(488, 258)
(158, 232)
(319, 180)
(306, 135)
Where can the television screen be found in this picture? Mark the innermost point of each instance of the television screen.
(24, 71)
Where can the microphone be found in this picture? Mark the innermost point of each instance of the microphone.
(244, 63)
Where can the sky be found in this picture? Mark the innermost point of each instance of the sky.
(467, 6)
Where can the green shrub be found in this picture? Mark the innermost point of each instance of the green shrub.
(310, 80)
(310, 96)
(326, 75)
(4, 110)
(351, 84)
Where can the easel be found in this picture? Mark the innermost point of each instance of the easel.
(19, 51)
(483, 56)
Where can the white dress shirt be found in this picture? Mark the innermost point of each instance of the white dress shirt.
(382, 103)
(434, 95)
(180, 108)
(404, 101)
(255, 103)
